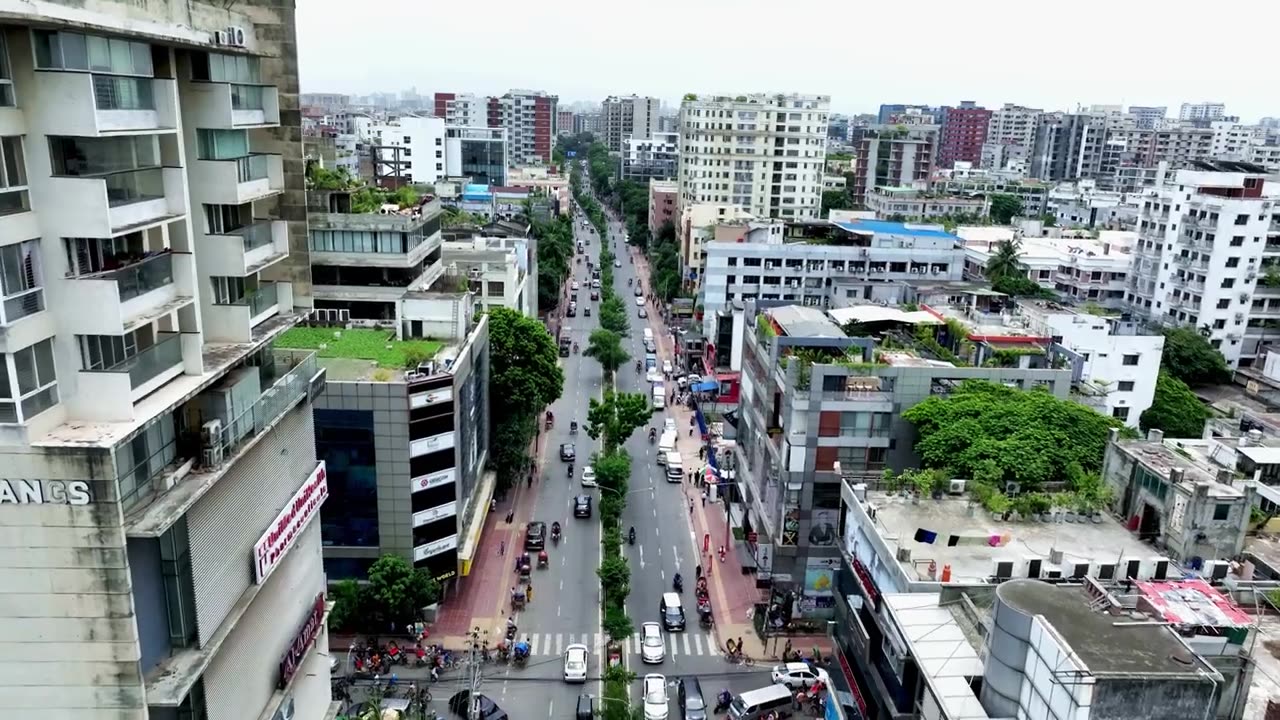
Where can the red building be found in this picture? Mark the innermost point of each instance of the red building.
(964, 130)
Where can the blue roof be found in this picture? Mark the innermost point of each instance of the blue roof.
(892, 228)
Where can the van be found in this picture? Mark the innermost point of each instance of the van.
(671, 613)
(648, 333)
(659, 396)
(666, 444)
(675, 468)
(586, 708)
(755, 704)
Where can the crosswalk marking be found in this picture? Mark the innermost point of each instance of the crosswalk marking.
(686, 643)
(555, 644)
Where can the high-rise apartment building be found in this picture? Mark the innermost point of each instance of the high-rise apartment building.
(1204, 239)
(409, 150)
(564, 123)
(964, 130)
(891, 114)
(1014, 125)
(464, 110)
(764, 153)
(1202, 111)
(1068, 146)
(893, 157)
(588, 123)
(528, 116)
(631, 117)
(160, 480)
(657, 156)
(1148, 117)
(479, 153)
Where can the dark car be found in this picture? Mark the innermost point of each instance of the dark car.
(586, 312)
(689, 696)
(582, 506)
(671, 612)
(460, 702)
(567, 452)
(535, 536)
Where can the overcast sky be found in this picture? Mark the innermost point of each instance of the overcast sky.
(861, 53)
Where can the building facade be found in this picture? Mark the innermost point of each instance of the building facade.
(462, 110)
(764, 153)
(564, 123)
(497, 270)
(964, 130)
(1014, 125)
(409, 150)
(655, 157)
(479, 153)
(1068, 146)
(1202, 111)
(529, 117)
(630, 117)
(893, 157)
(158, 450)
(663, 204)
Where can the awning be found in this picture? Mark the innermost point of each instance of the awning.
(475, 522)
(706, 386)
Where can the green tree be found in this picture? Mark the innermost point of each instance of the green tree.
(524, 364)
(1021, 286)
(613, 311)
(835, 200)
(1030, 437)
(349, 605)
(1004, 262)
(397, 590)
(1174, 409)
(1189, 357)
(614, 418)
(605, 346)
(1004, 208)
(613, 473)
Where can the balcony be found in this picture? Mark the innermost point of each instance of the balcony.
(102, 206)
(235, 321)
(237, 181)
(229, 106)
(133, 379)
(244, 251)
(80, 104)
(115, 302)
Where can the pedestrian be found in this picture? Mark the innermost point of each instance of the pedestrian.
(690, 507)
(692, 421)
(721, 553)
(528, 590)
(502, 547)
(704, 497)
(511, 516)
(690, 432)
(699, 572)
(530, 481)
(702, 453)
(493, 504)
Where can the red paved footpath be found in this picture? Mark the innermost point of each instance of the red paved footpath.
(733, 593)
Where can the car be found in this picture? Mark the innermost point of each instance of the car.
(666, 366)
(586, 312)
(617, 263)
(671, 612)
(638, 291)
(642, 313)
(652, 648)
(595, 295)
(460, 705)
(796, 675)
(682, 382)
(575, 663)
(588, 476)
(573, 285)
(689, 699)
(639, 302)
(567, 452)
(655, 697)
(582, 506)
(573, 310)
(649, 346)
(535, 535)
(595, 283)
(669, 425)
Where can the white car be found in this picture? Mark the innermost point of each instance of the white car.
(642, 313)
(666, 366)
(640, 302)
(575, 663)
(796, 675)
(617, 263)
(668, 424)
(574, 286)
(595, 283)
(655, 697)
(588, 477)
(652, 649)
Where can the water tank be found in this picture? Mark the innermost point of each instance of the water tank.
(1007, 649)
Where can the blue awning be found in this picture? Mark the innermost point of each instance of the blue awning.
(706, 386)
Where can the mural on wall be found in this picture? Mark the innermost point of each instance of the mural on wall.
(818, 600)
(822, 528)
(791, 527)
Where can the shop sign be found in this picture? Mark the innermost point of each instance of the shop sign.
(435, 443)
(435, 547)
(283, 532)
(438, 512)
(431, 397)
(44, 492)
(302, 642)
(867, 582)
(436, 479)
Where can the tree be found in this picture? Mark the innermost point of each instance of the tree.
(1004, 208)
(1021, 286)
(616, 416)
(1005, 262)
(397, 590)
(1030, 437)
(613, 312)
(523, 363)
(835, 200)
(349, 605)
(1189, 357)
(1174, 409)
(606, 347)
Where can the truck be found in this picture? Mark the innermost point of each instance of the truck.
(675, 467)
(659, 396)
(565, 342)
(666, 444)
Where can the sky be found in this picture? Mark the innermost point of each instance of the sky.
(861, 53)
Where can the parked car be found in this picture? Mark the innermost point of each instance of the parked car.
(575, 663)
(652, 648)
(535, 536)
(582, 506)
(797, 675)
(588, 476)
(655, 697)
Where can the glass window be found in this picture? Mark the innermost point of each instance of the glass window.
(20, 267)
(1221, 511)
(79, 156)
(222, 144)
(37, 391)
(99, 54)
(6, 75)
(75, 51)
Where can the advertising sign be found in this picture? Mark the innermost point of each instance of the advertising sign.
(819, 587)
(44, 492)
(822, 527)
(438, 512)
(302, 641)
(435, 547)
(283, 532)
(430, 397)
(435, 479)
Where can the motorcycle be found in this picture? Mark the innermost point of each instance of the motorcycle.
(677, 584)
(639, 367)
(570, 469)
(723, 701)
(575, 348)
(631, 538)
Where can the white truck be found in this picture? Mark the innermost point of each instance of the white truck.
(659, 396)
(675, 467)
(666, 444)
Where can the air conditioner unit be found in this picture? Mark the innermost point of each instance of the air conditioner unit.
(1012, 488)
(342, 316)
(1052, 574)
(956, 486)
(1157, 569)
(211, 443)
(1033, 567)
(1106, 571)
(235, 36)
(1002, 569)
(1132, 569)
(1075, 570)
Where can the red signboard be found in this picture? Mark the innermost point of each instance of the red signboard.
(868, 583)
(289, 524)
(753, 537)
(307, 634)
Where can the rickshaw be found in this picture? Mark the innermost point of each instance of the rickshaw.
(520, 654)
(517, 600)
(526, 572)
(573, 428)
(705, 620)
(522, 561)
(543, 560)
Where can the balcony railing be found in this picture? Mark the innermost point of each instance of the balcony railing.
(21, 305)
(267, 297)
(255, 235)
(134, 186)
(246, 97)
(252, 167)
(140, 278)
(299, 368)
(149, 363)
(112, 92)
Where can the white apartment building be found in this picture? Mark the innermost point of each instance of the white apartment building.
(497, 271)
(1203, 239)
(410, 148)
(631, 117)
(1081, 268)
(465, 110)
(916, 203)
(654, 157)
(1234, 141)
(529, 117)
(160, 558)
(1203, 111)
(764, 153)
(1014, 125)
(705, 222)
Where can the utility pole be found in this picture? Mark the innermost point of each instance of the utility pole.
(473, 683)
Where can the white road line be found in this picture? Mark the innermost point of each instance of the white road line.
(559, 647)
(663, 573)
(551, 708)
(675, 552)
(641, 549)
(713, 647)
(671, 646)
(686, 643)
(697, 642)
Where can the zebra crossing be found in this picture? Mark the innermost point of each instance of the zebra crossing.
(678, 644)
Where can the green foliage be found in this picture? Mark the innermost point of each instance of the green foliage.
(664, 263)
(1174, 409)
(995, 434)
(926, 336)
(613, 311)
(1004, 208)
(1048, 220)
(347, 605)
(835, 200)
(453, 217)
(524, 364)
(606, 347)
(614, 418)
(397, 590)
(380, 346)
(690, 97)
(1021, 286)
(1189, 357)
(319, 178)
(555, 251)
(1005, 261)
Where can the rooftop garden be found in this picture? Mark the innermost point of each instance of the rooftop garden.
(379, 346)
(364, 198)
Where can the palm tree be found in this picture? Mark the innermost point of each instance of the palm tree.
(1004, 262)
(606, 347)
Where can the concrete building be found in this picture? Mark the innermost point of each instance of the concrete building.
(1084, 204)
(1014, 125)
(1202, 111)
(663, 204)
(1080, 268)
(704, 223)
(963, 133)
(1148, 117)
(588, 123)
(1068, 146)
(628, 117)
(1179, 147)
(917, 204)
(764, 153)
(529, 117)
(893, 157)
(159, 556)
(655, 157)
(408, 450)
(1033, 193)
(478, 153)
(1203, 241)
(892, 114)
(497, 270)
(461, 110)
(409, 150)
(564, 123)
(1233, 141)
(325, 101)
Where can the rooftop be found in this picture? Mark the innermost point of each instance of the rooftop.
(1106, 644)
(884, 227)
(359, 353)
(1200, 461)
(801, 321)
(899, 520)
(941, 649)
(1192, 602)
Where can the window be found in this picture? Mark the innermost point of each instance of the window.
(6, 76)
(74, 51)
(222, 144)
(81, 156)
(142, 457)
(1120, 413)
(1242, 220)
(1221, 511)
(103, 352)
(1233, 262)
(217, 67)
(1224, 303)
(21, 280)
(32, 387)
(1126, 386)
(1131, 359)
(1229, 282)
